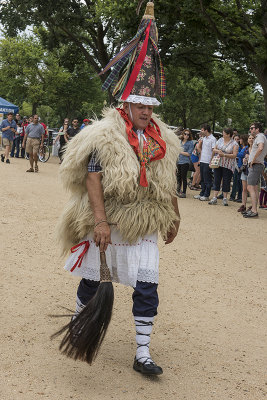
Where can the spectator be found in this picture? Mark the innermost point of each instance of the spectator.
(263, 192)
(71, 132)
(62, 142)
(237, 184)
(17, 118)
(24, 125)
(16, 140)
(85, 123)
(206, 147)
(187, 146)
(8, 128)
(45, 128)
(255, 167)
(195, 160)
(34, 132)
(227, 148)
(244, 172)
(66, 121)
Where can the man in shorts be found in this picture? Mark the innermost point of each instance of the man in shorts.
(33, 135)
(255, 167)
(8, 128)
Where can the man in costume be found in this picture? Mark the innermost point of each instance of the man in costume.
(125, 164)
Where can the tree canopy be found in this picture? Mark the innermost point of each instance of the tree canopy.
(216, 46)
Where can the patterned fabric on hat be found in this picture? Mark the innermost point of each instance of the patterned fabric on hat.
(137, 69)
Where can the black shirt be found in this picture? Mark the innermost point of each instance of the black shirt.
(72, 132)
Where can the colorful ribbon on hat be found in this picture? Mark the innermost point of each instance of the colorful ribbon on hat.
(80, 257)
(138, 65)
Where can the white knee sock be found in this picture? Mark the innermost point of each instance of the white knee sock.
(79, 307)
(143, 326)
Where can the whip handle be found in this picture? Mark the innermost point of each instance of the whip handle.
(104, 270)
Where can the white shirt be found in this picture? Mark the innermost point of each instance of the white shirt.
(260, 138)
(208, 145)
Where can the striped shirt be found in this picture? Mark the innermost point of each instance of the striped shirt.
(227, 148)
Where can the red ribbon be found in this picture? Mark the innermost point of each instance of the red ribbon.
(137, 66)
(80, 257)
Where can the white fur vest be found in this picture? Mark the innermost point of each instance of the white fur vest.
(136, 209)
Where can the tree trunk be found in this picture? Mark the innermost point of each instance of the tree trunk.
(34, 108)
(264, 88)
(261, 74)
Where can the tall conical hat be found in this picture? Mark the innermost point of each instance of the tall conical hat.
(137, 75)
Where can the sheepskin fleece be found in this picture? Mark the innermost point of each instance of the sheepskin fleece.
(137, 210)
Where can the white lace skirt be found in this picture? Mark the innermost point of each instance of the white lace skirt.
(127, 263)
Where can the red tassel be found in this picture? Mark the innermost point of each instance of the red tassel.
(80, 257)
(143, 180)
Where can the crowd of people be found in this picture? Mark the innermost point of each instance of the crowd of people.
(21, 136)
(67, 132)
(240, 160)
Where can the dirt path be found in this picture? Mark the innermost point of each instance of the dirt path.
(209, 336)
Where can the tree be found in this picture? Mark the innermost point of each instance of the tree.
(239, 29)
(192, 33)
(30, 73)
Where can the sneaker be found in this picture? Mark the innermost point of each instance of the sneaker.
(239, 200)
(213, 201)
(197, 196)
(232, 199)
(7, 161)
(225, 203)
(203, 198)
(2, 157)
(220, 197)
(181, 195)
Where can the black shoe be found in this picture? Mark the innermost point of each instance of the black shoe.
(7, 161)
(147, 369)
(239, 200)
(220, 196)
(2, 157)
(11, 155)
(232, 199)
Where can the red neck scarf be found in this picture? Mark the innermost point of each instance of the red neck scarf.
(153, 131)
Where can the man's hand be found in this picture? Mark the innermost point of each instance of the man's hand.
(172, 232)
(102, 236)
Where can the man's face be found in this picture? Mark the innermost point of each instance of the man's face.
(9, 117)
(139, 114)
(75, 123)
(204, 132)
(252, 130)
(35, 119)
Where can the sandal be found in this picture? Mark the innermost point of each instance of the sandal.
(30, 170)
(250, 214)
(36, 169)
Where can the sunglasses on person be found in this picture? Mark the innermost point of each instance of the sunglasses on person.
(186, 134)
(252, 127)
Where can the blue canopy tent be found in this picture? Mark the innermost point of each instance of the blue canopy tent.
(6, 107)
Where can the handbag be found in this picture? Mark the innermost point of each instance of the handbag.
(215, 161)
